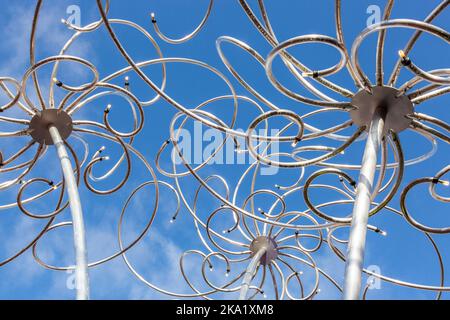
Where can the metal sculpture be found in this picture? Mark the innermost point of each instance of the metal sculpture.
(270, 239)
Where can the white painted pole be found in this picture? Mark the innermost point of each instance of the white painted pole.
(357, 240)
(81, 269)
(249, 273)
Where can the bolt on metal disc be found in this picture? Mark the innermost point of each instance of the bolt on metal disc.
(50, 117)
(397, 108)
(271, 249)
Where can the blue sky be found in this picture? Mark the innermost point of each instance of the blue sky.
(405, 253)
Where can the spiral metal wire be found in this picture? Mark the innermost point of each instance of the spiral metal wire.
(285, 267)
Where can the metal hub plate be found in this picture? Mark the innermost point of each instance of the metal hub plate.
(396, 107)
(40, 123)
(271, 249)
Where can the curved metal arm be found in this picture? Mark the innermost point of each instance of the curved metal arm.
(81, 269)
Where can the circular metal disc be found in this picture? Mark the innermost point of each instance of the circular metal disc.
(397, 108)
(271, 249)
(40, 123)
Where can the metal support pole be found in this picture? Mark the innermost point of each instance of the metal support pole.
(81, 269)
(357, 240)
(250, 271)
